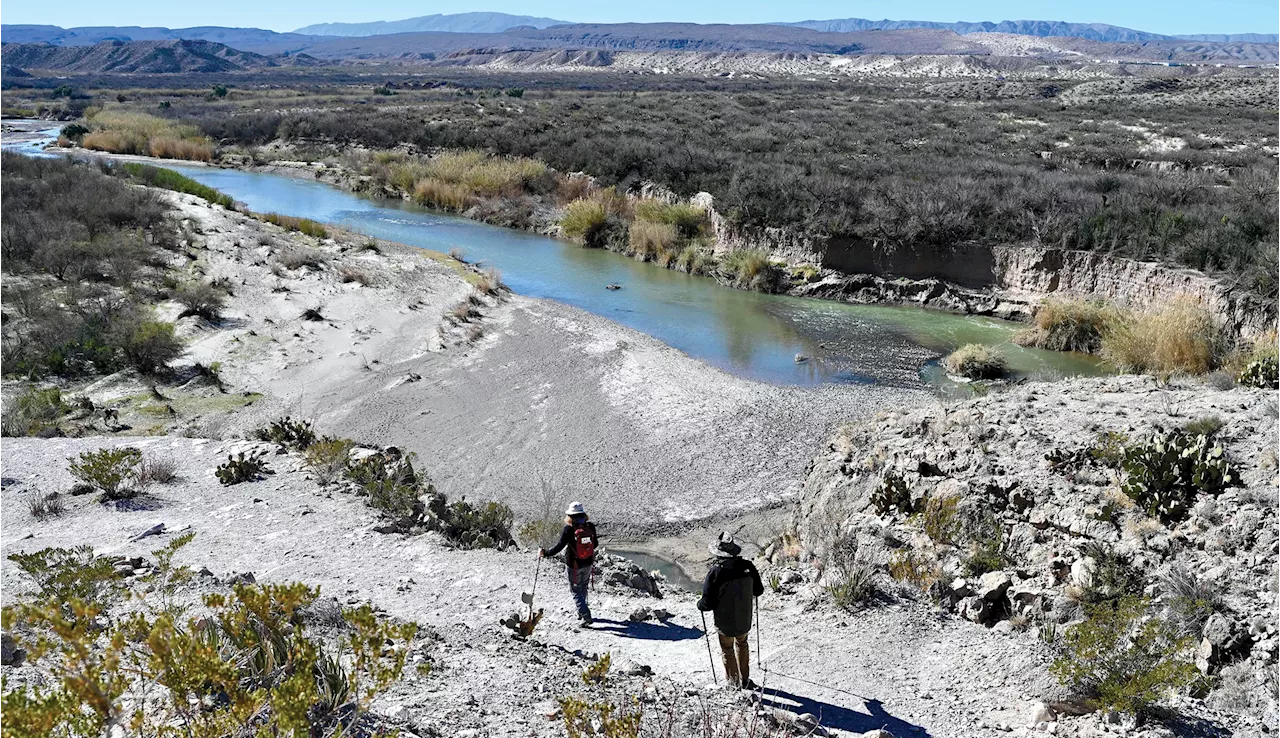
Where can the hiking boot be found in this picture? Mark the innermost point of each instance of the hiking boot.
(586, 618)
(750, 685)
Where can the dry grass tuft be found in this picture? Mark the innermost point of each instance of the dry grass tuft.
(650, 241)
(1181, 337)
(1070, 325)
(976, 361)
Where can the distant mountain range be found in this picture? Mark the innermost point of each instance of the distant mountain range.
(455, 23)
(167, 56)
(270, 42)
(1042, 29)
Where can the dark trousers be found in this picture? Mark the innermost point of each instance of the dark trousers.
(579, 581)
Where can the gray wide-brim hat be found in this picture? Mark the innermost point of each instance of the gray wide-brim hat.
(724, 547)
(575, 509)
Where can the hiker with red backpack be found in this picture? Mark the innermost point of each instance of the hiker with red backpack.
(578, 540)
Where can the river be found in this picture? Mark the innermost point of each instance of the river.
(773, 338)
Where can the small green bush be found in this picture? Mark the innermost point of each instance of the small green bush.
(242, 468)
(109, 470)
(940, 519)
(892, 495)
(976, 361)
(1108, 448)
(202, 299)
(294, 435)
(1165, 474)
(986, 547)
(63, 575)
(1121, 658)
(32, 412)
(150, 345)
(328, 458)
(1205, 425)
(752, 269)
(1112, 578)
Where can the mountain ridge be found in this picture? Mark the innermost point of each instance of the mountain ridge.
(478, 22)
(1037, 28)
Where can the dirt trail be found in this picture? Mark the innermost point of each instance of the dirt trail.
(916, 672)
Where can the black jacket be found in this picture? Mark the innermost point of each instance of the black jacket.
(729, 589)
(566, 543)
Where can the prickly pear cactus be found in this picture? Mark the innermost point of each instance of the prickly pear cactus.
(1263, 373)
(1165, 474)
(242, 468)
(892, 495)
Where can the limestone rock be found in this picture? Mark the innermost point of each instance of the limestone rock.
(993, 586)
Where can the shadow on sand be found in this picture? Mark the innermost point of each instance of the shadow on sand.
(871, 717)
(646, 631)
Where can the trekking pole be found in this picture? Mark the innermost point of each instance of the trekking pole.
(536, 568)
(759, 652)
(710, 658)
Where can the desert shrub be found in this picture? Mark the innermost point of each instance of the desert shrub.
(1263, 373)
(171, 180)
(301, 225)
(940, 519)
(1204, 425)
(63, 576)
(916, 568)
(295, 256)
(489, 282)
(584, 719)
(242, 468)
(1166, 473)
(1111, 578)
(976, 361)
(388, 482)
(986, 546)
(202, 299)
(43, 506)
(1181, 337)
(149, 345)
(32, 412)
(248, 667)
(752, 269)
(294, 435)
(1188, 600)
(349, 273)
(158, 469)
(328, 458)
(1122, 658)
(108, 470)
(598, 671)
(1069, 325)
(1108, 448)
(892, 495)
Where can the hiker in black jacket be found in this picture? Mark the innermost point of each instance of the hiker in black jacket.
(578, 539)
(730, 590)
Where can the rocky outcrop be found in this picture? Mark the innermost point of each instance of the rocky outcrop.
(1038, 272)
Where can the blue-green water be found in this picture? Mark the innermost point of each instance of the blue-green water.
(749, 334)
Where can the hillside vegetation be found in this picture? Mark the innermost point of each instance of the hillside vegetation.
(1189, 185)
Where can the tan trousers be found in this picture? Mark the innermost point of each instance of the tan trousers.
(737, 657)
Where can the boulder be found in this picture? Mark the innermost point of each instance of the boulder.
(1222, 641)
(10, 654)
(974, 609)
(1042, 713)
(993, 586)
(640, 615)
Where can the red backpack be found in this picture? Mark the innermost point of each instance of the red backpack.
(584, 542)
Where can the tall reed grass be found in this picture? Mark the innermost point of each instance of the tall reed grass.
(120, 132)
(1179, 337)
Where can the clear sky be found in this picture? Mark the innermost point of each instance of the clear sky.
(1158, 16)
